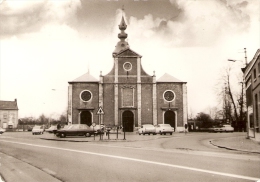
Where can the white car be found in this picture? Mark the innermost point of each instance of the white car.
(227, 128)
(147, 129)
(2, 130)
(223, 128)
(164, 128)
(37, 130)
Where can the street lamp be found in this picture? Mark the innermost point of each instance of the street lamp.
(243, 82)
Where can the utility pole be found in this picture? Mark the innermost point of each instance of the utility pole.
(241, 103)
(245, 57)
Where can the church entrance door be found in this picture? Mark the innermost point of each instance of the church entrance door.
(85, 118)
(169, 118)
(128, 121)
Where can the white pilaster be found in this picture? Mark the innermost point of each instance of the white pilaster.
(185, 104)
(101, 99)
(176, 121)
(70, 104)
(139, 92)
(116, 91)
(154, 101)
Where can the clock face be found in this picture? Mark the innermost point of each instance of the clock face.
(168, 95)
(85, 95)
(127, 66)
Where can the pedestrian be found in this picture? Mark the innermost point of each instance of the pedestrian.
(58, 126)
(186, 128)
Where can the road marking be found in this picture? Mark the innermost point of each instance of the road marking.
(139, 160)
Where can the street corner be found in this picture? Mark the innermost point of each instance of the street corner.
(237, 143)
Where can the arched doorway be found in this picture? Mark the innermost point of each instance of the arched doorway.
(128, 121)
(169, 118)
(85, 118)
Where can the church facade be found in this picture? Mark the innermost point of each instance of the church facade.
(127, 96)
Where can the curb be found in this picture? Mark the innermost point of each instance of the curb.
(106, 140)
(228, 148)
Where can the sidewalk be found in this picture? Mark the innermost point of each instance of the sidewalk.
(240, 143)
(113, 138)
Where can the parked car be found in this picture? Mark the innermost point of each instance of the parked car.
(163, 129)
(213, 129)
(227, 128)
(38, 130)
(147, 129)
(29, 128)
(75, 130)
(52, 129)
(222, 128)
(2, 130)
(98, 129)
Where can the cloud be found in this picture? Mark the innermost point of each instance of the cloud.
(199, 23)
(18, 17)
(203, 35)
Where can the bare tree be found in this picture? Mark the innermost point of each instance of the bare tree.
(233, 101)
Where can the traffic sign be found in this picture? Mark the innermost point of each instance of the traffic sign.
(100, 111)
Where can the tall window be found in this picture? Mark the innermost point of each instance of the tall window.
(256, 109)
(127, 96)
(258, 68)
(254, 74)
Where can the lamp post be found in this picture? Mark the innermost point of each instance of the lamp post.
(242, 93)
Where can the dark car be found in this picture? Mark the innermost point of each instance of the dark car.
(29, 128)
(75, 130)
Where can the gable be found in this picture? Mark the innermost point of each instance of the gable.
(128, 53)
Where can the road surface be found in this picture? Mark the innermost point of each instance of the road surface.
(146, 158)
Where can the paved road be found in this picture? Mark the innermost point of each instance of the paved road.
(141, 158)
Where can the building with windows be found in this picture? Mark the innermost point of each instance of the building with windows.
(8, 114)
(252, 84)
(127, 96)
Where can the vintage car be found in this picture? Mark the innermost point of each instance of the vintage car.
(221, 128)
(52, 129)
(38, 130)
(147, 129)
(163, 129)
(75, 130)
(2, 130)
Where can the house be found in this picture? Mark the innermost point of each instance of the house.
(252, 86)
(8, 114)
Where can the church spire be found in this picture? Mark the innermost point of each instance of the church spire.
(122, 35)
(122, 44)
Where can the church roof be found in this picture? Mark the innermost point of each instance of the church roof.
(127, 53)
(168, 78)
(7, 105)
(85, 78)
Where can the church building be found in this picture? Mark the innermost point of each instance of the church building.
(127, 96)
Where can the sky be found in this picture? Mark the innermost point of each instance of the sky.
(44, 44)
